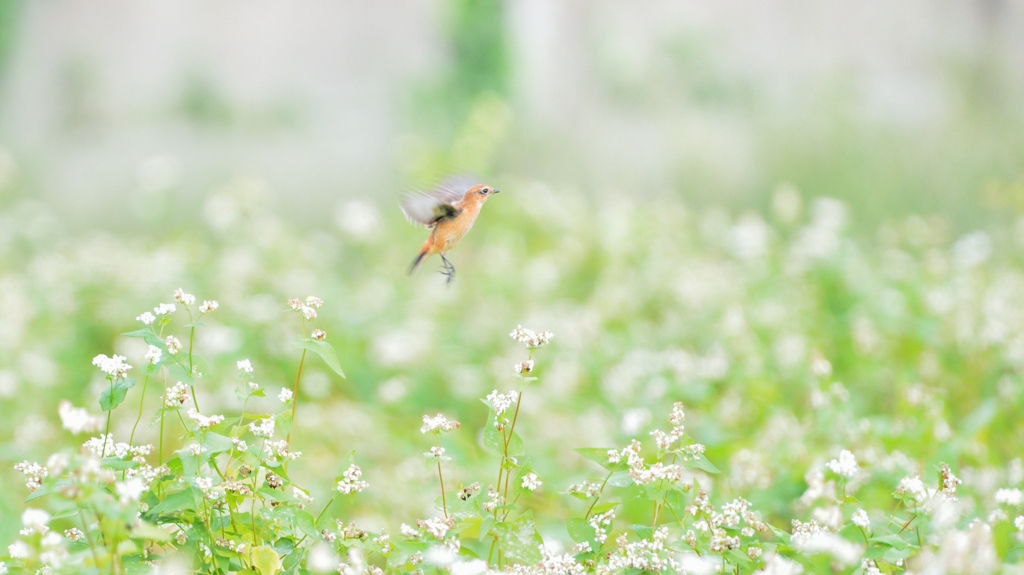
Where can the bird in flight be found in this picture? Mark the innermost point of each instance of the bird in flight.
(449, 211)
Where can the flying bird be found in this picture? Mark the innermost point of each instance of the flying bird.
(449, 211)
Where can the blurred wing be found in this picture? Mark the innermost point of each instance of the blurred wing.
(429, 207)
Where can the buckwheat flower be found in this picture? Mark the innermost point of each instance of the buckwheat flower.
(184, 298)
(153, 355)
(195, 449)
(203, 421)
(438, 423)
(500, 402)
(74, 534)
(146, 318)
(130, 490)
(913, 487)
(33, 472)
(18, 550)
(78, 419)
(165, 309)
(351, 481)
(318, 334)
(754, 552)
(176, 395)
(1008, 496)
(868, 567)
(113, 366)
(253, 385)
(263, 428)
(860, 519)
(295, 304)
(949, 481)
(530, 338)
(531, 482)
(301, 495)
(1018, 522)
(438, 526)
(239, 444)
(35, 521)
(436, 452)
(308, 312)
(523, 367)
(845, 465)
(408, 531)
(244, 365)
(173, 345)
(208, 306)
(313, 301)
(204, 483)
(285, 395)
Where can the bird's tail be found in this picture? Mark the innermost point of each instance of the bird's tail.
(424, 252)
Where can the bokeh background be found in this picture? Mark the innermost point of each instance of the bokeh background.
(704, 201)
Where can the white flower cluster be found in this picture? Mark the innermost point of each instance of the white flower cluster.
(104, 446)
(165, 309)
(208, 306)
(436, 452)
(173, 345)
(184, 298)
(437, 527)
(34, 474)
(551, 563)
(351, 481)
(307, 309)
(113, 366)
(78, 419)
(601, 522)
(146, 318)
(912, 487)
(523, 367)
(153, 355)
(203, 421)
(176, 395)
(811, 537)
(263, 428)
(588, 489)
(283, 450)
(438, 423)
(845, 465)
(494, 500)
(531, 482)
(244, 365)
(1009, 496)
(285, 395)
(860, 519)
(530, 338)
(500, 402)
(644, 555)
(949, 481)
(318, 334)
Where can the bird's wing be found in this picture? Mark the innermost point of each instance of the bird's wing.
(431, 206)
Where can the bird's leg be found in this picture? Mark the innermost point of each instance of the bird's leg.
(449, 269)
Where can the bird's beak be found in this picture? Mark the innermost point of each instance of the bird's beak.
(496, 190)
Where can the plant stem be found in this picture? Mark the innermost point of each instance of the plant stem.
(596, 499)
(131, 439)
(295, 404)
(191, 365)
(106, 433)
(444, 502)
(317, 520)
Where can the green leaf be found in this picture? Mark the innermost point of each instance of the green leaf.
(216, 443)
(148, 335)
(150, 532)
(325, 351)
(891, 540)
(599, 455)
(48, 488)
(521, 542)
(266, 560)
(184, 500)
(579, 530)
(701, 462)
(118, 464)
(494, 442)
(112, 396)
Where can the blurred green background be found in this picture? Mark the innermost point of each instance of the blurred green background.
(665, 167)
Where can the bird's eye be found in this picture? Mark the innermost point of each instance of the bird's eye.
(485, 191)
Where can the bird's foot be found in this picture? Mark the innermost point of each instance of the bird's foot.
(448, 270)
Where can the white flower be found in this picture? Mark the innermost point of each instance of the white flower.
(285, 396)
(301, 495)
(1009, 496)
(208, 306)
(204, 483)
(35, 520)
(263, 428)
(239, 444)
(351, 481)
(436, 452)
(203, 421)
(845, 466)
(78, 419)
(523, 367)
(318, 334)
(165, 309)
(253, 385)
(860, 519)
(1018, 522)
(173, 345)
(313, 301)
(531, 482)
(184, 298)
(438, 423)
(530, 338)
(308, 312)
(176, 395)
(153, 355)
(146, 318)
(914, 487)
(501, 401)
(113, 366)
(195, 449)
(18, 550)
(244, 365)
(130, 490)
